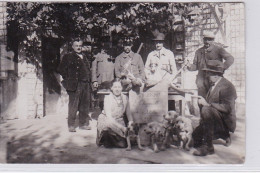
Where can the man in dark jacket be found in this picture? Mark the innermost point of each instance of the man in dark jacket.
(75, 71)
(218, 116)
(209, 51)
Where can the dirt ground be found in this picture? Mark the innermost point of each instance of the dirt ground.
(47, 140)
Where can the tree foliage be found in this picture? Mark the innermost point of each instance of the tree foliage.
(35, 20)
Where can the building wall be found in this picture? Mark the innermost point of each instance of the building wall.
(20, 97)
(233, 24)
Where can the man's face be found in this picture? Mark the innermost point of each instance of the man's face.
(77, 46)
(213, 77)
(159, 45)
(127, 48)
(207, 41)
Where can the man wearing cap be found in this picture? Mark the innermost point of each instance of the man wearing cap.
(129, 66)
(208, 52)
(218, 116)
(161, 56)
(75, 71)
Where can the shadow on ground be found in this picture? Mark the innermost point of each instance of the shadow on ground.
(47, 140)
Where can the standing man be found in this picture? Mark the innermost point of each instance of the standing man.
(129, 66)
(103, 67)
(75, 71)
(161, 56)
(164, 58)
(218, 115)
(208, 52)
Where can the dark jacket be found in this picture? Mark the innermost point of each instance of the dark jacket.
(222, 98)
(74, 69)
(214, 52)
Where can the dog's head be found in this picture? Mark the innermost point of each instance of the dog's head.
(171, 117)
(155, 128)
(180, 122)
(153, 67)
(132, 128)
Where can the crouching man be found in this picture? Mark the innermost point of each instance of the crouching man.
(218, 116)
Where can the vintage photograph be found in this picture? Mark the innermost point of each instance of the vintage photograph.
(122, 82)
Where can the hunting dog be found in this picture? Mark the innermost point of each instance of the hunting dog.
(156, 132)
(132, 133)
(184, 132)
(170, 131)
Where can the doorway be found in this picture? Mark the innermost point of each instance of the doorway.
(51, 79)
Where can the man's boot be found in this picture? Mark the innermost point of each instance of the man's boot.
(204, 150)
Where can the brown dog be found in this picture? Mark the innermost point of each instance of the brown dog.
(185, 130)
(132, 133)
(170, 131)
(156, 132)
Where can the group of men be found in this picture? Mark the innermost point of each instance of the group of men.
(217, 94)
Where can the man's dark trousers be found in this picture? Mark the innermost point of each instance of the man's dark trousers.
(211, 127)
(79, 100)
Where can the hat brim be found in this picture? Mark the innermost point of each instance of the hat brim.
(157, 39)
(207, 36)
(211, 70)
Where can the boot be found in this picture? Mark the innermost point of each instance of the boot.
(204, 150)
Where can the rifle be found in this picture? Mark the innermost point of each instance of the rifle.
(130, 60)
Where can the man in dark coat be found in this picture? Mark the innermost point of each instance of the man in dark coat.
(75, 71)
(209, 51)
(218, 116)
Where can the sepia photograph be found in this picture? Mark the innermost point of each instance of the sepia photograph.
(122, 83)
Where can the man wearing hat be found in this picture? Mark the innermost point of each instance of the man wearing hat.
(209, 51)
(218, 116)
(162, 56)
(129, 66)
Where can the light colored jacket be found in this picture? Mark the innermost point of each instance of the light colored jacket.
(164, 58)
(102, 68)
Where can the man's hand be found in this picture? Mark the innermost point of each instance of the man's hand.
(95, 84)
(187, 65)
(166, 69)
(131, 76)
(203, 102)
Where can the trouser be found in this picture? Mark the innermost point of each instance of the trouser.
(211, 127)
(202, 85)
(79, 101)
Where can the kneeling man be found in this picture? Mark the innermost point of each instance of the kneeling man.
(218, 116)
